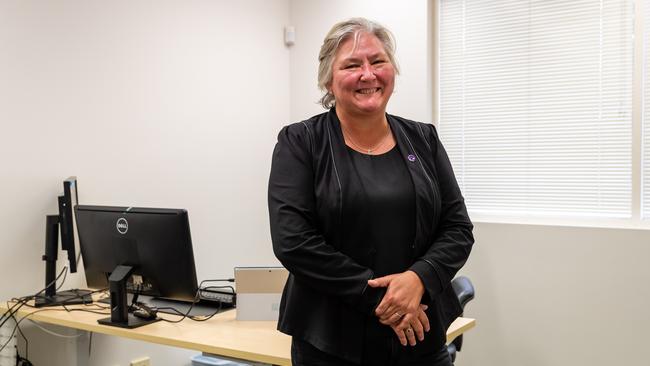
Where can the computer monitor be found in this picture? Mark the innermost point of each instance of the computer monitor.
(69, 237)
(66, 223)
(154, 244)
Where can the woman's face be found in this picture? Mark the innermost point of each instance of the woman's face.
(362, 76)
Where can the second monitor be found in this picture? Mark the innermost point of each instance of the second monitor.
(155, 243)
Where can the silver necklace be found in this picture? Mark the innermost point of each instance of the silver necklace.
(359, 147)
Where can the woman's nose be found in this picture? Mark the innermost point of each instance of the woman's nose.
(367, 73)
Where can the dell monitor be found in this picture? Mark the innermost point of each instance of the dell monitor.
(139, 250)
(66, 223)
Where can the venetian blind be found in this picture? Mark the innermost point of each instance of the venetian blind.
(536, 105)
(646, 114)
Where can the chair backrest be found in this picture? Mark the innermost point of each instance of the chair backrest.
(464, 290)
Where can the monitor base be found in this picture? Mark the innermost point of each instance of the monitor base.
(69, 297)
(132, 322)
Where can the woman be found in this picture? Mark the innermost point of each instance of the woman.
(367, 217)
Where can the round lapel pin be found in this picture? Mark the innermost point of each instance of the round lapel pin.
(411, 157)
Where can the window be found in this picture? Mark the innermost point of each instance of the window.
(536, 105)
(645, 209)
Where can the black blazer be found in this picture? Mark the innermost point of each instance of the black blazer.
(326, 298)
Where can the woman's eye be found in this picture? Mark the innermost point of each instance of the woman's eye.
(351, 66)
(378, 62)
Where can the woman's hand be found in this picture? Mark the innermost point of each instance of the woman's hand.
(410, 326)
(403, 294)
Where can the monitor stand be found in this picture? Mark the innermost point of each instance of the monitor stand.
(120, 316)
(52, 297)
(69, 297)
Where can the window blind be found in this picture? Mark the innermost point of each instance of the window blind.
(536, 105)
(645, 187)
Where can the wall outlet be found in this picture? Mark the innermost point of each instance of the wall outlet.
(142, 361)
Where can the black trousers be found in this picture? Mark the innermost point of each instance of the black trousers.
(390, 354)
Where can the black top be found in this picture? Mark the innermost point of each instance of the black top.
(379, 213)
(327, 300)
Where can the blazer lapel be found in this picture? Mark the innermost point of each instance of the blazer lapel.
(422, 183)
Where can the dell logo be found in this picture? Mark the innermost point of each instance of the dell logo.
(122, 225)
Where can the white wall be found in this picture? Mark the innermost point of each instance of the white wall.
(549, 295)
(150, 103)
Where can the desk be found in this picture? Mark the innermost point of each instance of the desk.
(223, 335)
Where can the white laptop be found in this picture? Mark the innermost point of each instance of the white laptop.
(259, 290)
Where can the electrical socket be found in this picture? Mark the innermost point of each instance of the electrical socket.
(142, 361)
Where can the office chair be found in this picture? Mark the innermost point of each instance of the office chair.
(465, 292)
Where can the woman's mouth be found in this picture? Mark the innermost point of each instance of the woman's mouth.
(368, 90)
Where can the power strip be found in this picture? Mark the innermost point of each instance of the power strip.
(226, 298)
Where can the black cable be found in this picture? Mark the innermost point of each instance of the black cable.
(23, 362)
(187, 313)
(219, 280)
(196, 300)
(10, 311)
(20, 302)
(13, 310)
(13, 332)
(23, 302)
(90, 344)
(208, 317)
(18, 358)
(176, 311)
(77, 295)
(24, 299)
(136, 293)
(196, 318)
(83, 311)
(98, 305)
(63, 280)
(20, 331)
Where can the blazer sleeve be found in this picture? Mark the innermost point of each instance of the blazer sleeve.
(297, 241)
(453, 238)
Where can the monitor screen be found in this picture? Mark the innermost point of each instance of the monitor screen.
(156, 242)
(67, 221)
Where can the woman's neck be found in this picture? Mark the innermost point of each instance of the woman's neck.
(364, 129)
(368, 134)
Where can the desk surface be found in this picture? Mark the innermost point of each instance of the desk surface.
(222, 335)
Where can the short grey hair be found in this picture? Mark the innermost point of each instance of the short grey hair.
(342, 31)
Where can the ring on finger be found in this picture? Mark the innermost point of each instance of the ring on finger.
(409, 330)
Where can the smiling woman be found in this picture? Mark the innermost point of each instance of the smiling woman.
(362, 83)
(367, 217)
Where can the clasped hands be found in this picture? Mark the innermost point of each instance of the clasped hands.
(400, 307)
